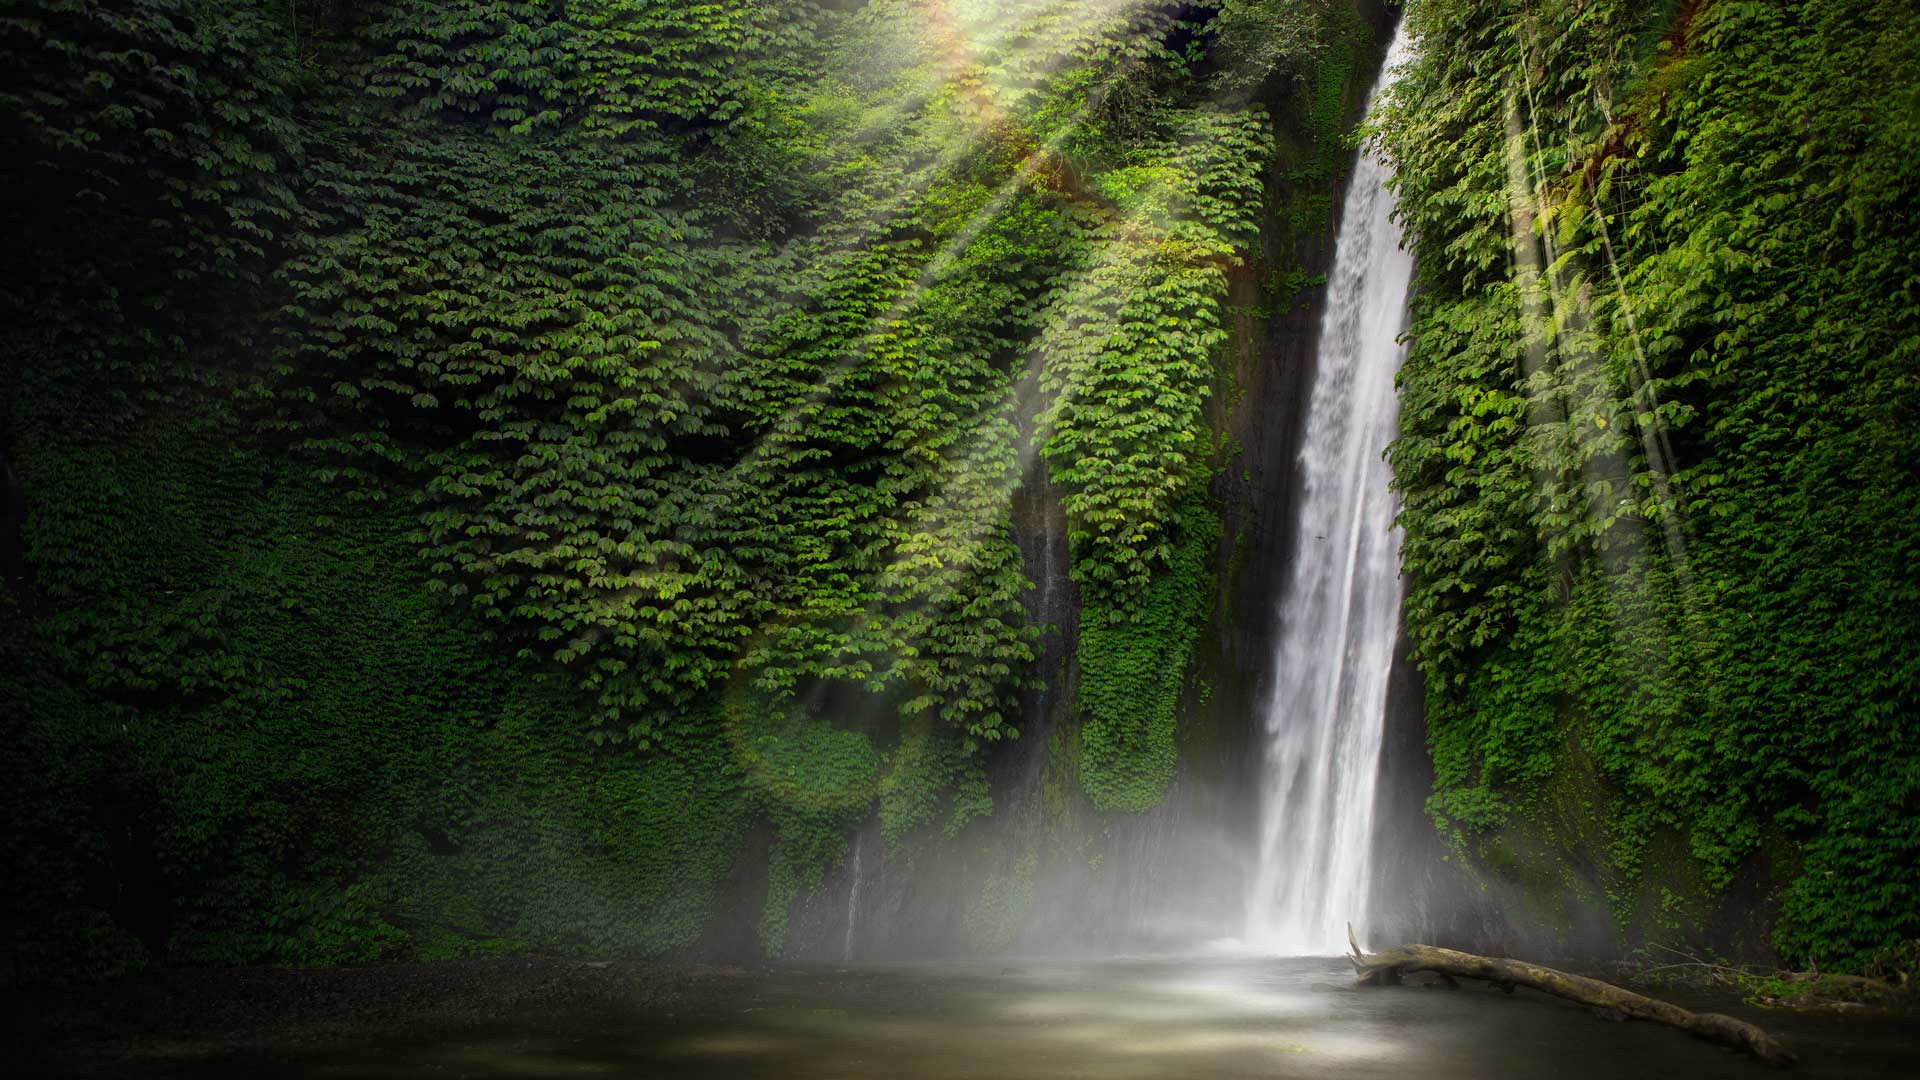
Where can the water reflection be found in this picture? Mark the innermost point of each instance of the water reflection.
(1198, 1017)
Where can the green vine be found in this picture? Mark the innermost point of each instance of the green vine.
(1657, 441)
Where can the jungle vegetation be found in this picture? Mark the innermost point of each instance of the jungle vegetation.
(474, 470)
(1659, 452)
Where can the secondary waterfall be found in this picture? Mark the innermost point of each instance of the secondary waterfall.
(1340, 609)
(853, 898)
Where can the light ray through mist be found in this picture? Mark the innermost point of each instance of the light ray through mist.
(1564, 358)
(1124, 232)
(1312, 870)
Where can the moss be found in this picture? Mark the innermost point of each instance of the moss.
(1683, 526)
(1132, 670)
(995, 915)
(813, 783)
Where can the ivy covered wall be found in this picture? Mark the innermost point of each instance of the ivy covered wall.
(505, 474)
(1658, 460)
(513, 475)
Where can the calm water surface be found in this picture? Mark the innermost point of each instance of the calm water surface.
(1107, 1021)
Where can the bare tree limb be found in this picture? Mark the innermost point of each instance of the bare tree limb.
(1386, 968)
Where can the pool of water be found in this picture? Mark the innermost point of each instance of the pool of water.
(1212, 1017)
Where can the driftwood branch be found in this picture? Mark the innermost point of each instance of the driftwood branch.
(1386, 968)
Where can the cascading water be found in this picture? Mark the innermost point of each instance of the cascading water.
(853, 898)
(1340, 609)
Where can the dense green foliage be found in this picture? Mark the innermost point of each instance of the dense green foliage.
(507, 474)
(1132, 673)
(1659, 451)
(476, 466)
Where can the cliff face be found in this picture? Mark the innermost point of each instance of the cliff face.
(579, 496)
(1659, 508)
(1052, 872)
(819, 486)
(1569, 737)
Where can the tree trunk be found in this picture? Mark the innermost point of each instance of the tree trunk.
(1385, 969)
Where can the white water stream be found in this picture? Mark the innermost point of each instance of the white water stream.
(1339, 613)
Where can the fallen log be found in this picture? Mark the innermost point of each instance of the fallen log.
(1386, 968)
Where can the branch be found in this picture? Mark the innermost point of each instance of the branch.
(1385, 969)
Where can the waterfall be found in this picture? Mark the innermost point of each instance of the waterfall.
(1339, 611)
(853, 898)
